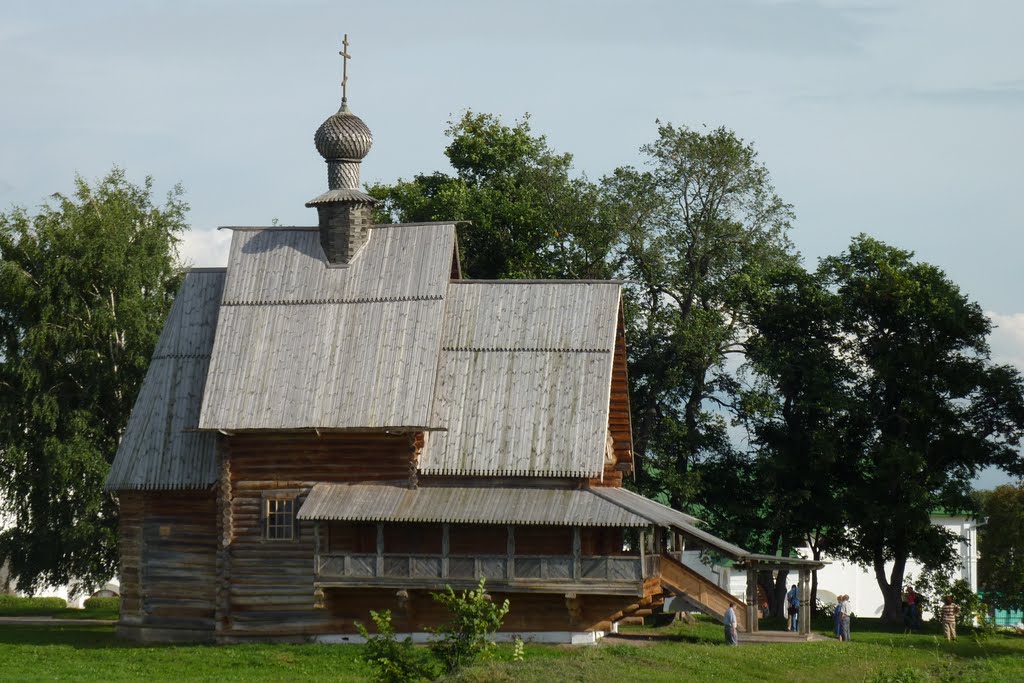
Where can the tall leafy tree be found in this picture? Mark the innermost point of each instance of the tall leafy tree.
(85, 286)
(703, 225)
(934, 408)
(527, 215)
(1001, 561)
(780, 492)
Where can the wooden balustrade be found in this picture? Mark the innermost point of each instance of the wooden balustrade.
(520, 568)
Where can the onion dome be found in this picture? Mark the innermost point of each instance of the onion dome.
(343, 136)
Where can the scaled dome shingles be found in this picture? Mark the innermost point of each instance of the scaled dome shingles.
(343, 136)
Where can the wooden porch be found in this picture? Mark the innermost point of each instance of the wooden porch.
(515, 570)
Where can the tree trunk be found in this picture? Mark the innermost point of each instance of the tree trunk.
(779, 592)
(892, 588)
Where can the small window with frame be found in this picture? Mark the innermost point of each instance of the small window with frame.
(279, 516)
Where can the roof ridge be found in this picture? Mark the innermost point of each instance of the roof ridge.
(354, 300)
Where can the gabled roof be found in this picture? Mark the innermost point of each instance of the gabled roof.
(304, 345)
(523, 379)
(512, 378)
(159, 448)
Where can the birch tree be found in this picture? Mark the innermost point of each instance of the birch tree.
(85, 285)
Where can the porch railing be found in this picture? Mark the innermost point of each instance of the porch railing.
(546, 568)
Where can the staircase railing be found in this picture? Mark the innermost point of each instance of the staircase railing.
(679, 578)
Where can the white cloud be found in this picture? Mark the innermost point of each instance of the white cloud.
(1007, 339)
(205, 248)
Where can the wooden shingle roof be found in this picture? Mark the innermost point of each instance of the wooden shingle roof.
(160, 448)
(523, 379)
(511, 378)
(464, 505)
(304, 345)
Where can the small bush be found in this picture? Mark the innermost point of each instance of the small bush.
(102, 604)
(935, 585)
(393, 661)
(475, 617)
(824, 610)
(18, 605)
(904, 674)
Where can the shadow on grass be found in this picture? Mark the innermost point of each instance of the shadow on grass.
(663, 636)
(85, 637)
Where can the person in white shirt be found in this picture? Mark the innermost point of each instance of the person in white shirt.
(844, 619)
(730, 625)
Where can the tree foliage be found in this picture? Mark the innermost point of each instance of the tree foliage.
(85, 286)
(780, 492)
(393, 660)
(528, 217)
(703, 226)
(1001, 561)
(934, 409)
(474, 618)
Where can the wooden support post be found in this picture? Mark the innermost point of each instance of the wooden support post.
(445, 548)
(643, 555)
(577, 563)
(380, 549)
(316, 549)
(805, 602)
(510, 549)
(574, 605)
(752, 607)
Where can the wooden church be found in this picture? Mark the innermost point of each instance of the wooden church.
(338, 422)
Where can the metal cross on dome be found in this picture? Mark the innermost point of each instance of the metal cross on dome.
(344, 69)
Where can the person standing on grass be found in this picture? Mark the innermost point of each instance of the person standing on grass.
(793, 602)
(949, 613)
(844, 619)
(837, 615)
(730, 625)
(912, 599)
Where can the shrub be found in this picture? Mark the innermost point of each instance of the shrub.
(16, 604)
(904, 674)
(393, 661)
(824, 610)
(102, 604)
(475, 617)
(935, 585)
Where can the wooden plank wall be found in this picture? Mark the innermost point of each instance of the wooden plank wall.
(469, 539)
(270, 583)
(602, 541)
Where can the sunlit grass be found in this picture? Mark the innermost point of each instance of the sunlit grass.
(692, 652)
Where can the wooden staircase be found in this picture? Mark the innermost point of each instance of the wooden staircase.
(698, 592)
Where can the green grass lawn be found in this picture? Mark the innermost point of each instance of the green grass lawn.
(681, 652)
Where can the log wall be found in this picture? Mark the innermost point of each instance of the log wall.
(168, 544)
(129, 572)
(415, 611)
(620, 427)
(270, 583)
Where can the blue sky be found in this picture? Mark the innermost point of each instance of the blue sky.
(901, 119)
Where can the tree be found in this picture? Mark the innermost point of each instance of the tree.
(527, 216)
(798, 420)
(85, 286)
(702, 227)
(934, 409)
(1001, 541)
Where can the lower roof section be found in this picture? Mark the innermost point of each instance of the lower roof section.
(663, 515)
(465, 505)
